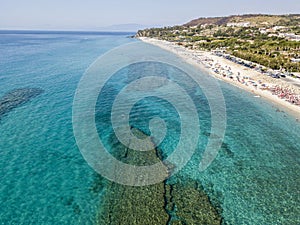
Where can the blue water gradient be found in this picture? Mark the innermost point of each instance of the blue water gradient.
(45, 180)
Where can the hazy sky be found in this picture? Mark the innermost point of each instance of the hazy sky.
(91, 14)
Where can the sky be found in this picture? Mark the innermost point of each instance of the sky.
(95, 14)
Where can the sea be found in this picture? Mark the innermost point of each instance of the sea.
(45, 179)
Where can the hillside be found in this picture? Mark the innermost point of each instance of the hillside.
(270, 40)
(254, 19)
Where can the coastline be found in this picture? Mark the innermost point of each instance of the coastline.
(223, 69)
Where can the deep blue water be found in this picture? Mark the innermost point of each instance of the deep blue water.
(45, 180)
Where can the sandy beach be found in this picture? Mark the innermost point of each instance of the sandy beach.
(284, 92)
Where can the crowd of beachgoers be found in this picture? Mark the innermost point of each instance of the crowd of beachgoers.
(268, 72)
(287, 94)
(282, 92)
(244, 74)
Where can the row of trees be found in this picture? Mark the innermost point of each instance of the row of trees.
(277, 63)
(273, 54)
(244, 42)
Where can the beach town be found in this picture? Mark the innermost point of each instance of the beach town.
(277, 87)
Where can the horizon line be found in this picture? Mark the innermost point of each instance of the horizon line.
(66, 30)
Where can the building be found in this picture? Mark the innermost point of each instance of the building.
(295, 60)
(292, 36)
(241, 24)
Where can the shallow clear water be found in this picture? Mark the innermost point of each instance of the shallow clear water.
(45, 180)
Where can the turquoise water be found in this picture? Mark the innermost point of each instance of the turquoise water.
(45, 180)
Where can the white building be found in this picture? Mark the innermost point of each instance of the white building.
(292, 36)
(295, 60)
(241, 24)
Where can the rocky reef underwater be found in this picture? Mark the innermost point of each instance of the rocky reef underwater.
(176, 200)
(16, 98)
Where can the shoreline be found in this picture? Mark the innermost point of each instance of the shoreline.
(245, 78)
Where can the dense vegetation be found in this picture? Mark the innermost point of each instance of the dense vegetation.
(262, 40)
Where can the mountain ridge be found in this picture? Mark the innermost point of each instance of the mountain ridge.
(223, 20)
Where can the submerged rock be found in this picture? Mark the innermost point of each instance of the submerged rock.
(192, 205)
(161, 203)
(17, 97)
(134, 205)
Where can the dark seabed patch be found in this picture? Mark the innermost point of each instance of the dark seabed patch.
(169, 202)
(16, 98)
